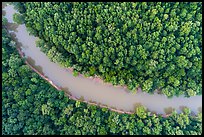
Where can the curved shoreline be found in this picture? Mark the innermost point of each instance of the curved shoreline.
(79, 99)
(96, 78)
(68, 94)
(111, 95)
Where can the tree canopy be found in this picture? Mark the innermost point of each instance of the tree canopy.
(31, 106)
(154, 45)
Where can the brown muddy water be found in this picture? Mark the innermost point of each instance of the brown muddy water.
(91, 90)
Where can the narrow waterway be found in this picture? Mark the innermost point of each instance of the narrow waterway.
(79, 86)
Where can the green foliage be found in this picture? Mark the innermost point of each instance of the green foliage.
(31, 106)
(4, 21)
(141, 112)
(18, 18)
(145, 40)
(75, 73)
(19, 6)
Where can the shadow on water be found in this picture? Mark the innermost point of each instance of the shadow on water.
(66, 90)
(14, 38)
(200, 109)
(12, 26)
(28, 59)
(182, 108)
(3, 12)
(158, 91)
(32, 63)
(4, 4)
(147, 109)
(137, 105)
(154, 112)
(169, 110)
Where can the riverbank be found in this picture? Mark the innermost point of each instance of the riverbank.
(92, 89)
(68, 94)
(63, 112)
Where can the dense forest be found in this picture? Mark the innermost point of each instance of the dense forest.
(152, 45)
(31, 106)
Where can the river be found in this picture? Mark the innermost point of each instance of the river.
(91, 90)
